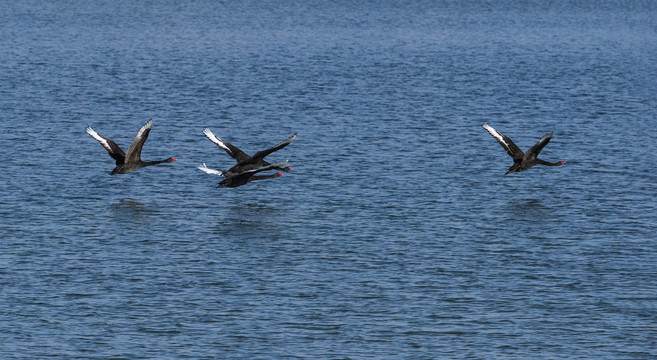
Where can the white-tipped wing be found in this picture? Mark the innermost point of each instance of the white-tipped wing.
(512, 149)
(208, 133)
(110, 146)
(134, 151)
(261, 154)
(211, 171)
(496, 134)
(532, 153)
(103, 141)
(147, 126)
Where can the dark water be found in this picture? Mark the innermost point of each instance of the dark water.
(396, 235)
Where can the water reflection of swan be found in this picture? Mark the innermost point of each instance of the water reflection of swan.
(130, 210)
(251, 219)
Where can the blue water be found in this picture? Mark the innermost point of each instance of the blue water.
(397, 235)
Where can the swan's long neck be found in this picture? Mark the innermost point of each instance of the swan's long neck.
(149, 163)
(546, 163)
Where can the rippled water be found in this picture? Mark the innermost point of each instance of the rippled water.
(397, 234)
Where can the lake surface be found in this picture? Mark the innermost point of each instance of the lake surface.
(397, 235)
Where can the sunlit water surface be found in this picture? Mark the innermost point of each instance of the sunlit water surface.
(397, 235)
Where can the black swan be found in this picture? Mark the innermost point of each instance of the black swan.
(239, 179)
(522, 161)
(244, 161)
(130, 161)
